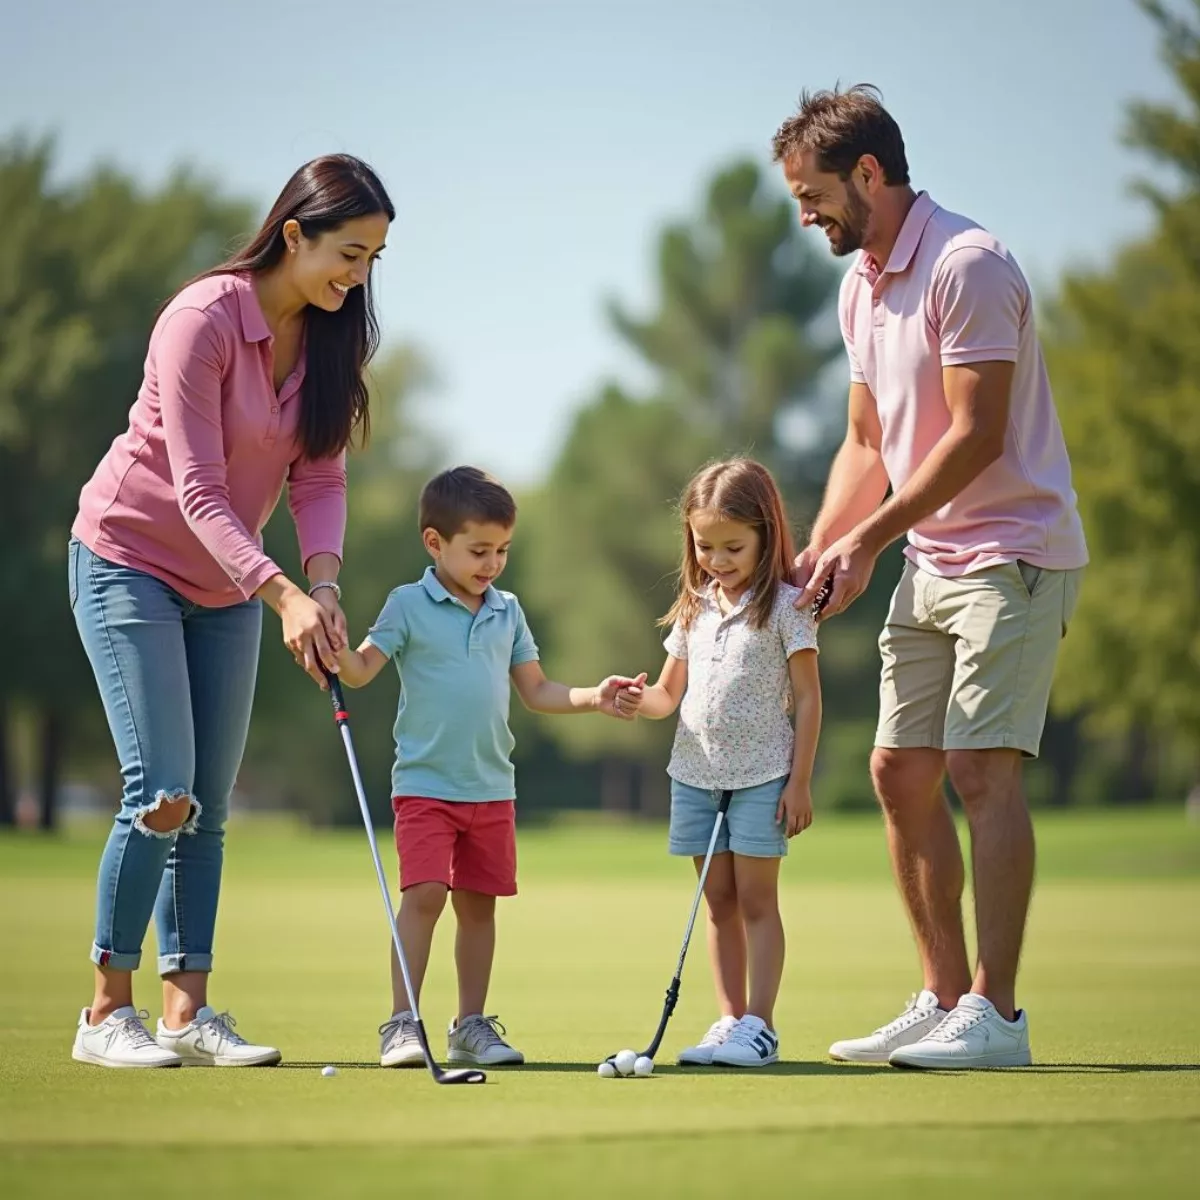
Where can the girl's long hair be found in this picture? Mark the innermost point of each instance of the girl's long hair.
(323, 195)
(742, 490)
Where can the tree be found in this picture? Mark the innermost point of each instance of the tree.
(1126, 366)
(82, 273)
(736, 343)
(293, 759)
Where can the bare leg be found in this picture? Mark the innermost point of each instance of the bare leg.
(726, 936)
(1002, 863)
(113, 990)
(927, 862)
(474, 949)
(758, 899)
(420, 907)
(185, 993)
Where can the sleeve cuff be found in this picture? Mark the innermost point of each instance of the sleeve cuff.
(249, 583)
(979, 354)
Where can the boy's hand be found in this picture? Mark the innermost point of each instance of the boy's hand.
(621, 697)
(795, 808)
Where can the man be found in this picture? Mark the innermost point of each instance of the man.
(950, 407)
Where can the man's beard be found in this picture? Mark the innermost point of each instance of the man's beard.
(852, 228)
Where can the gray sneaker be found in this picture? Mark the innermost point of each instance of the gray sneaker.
(479, 1041)
(399, 1045)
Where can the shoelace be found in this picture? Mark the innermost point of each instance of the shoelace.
(397, 1032)
(954, 1024)
(909, 1017)
(744, 1035)
(222, 1025)
(487, 1031)
(717, 1035)
(134, 1032)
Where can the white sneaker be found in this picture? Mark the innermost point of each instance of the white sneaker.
(701, 1054)
(749, 1044)
(120, 1041)
(209, 1040)
(921, 1015)
(479, 1040)
(972, 1035)
(399, 1045)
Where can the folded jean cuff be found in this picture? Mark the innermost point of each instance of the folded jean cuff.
(115, 959)
(172, 964)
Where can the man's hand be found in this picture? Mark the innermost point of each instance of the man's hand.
(850, 561)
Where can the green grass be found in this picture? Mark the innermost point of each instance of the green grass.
(1111, 980)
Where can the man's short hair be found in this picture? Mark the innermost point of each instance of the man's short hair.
(839, 127)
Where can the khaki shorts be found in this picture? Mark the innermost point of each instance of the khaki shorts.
(968, 662)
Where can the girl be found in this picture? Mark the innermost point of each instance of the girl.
(737, 651)
(254, 378)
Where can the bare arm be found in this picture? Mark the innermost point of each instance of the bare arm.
(358, 667)
(543, 695)
(977, 396)
(858, 481)
(663, 698)
(795, 802)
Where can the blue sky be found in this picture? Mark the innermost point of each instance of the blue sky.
(534, 148)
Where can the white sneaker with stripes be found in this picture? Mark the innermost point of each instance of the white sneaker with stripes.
(701, 1054)
(749, 1044)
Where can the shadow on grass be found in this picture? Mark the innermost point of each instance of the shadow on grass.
(788, 1068)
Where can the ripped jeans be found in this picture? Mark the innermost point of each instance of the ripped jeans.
(177, 683)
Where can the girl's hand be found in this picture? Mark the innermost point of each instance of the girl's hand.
(795, 808)
(620, 696)
(310, 632)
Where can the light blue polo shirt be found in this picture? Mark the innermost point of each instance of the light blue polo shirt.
(452, 735)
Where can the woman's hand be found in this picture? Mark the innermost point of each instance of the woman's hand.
(313, 630)
(327, 599)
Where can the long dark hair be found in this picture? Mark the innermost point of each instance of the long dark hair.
(322, 195)
(739, 490)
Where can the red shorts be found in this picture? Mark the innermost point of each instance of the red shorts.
(469, 847)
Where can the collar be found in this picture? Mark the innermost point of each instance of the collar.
(906, 243)
(711, 595)
(254, 324)
(439, 592)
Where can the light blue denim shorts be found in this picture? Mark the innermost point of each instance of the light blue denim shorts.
(749, 828)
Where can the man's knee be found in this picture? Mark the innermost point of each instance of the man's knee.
(906, 777)
(981, 776)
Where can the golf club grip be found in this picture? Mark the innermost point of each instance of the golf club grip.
(336, 696)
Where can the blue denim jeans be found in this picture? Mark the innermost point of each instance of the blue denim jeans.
(177, 683)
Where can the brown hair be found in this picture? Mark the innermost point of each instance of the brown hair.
(322, 195)
(462, 494)
(742, 490)
(840, 127)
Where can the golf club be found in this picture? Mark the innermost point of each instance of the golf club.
(673, 988)
(342, 718)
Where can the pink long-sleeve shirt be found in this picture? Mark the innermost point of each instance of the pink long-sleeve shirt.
(183, 494)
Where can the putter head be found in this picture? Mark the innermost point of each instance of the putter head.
(466, 1075)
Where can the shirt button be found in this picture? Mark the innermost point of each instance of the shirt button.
(274, 408)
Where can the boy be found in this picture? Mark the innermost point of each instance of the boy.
(456, 642)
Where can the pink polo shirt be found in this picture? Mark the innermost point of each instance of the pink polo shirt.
(951, 294)
(183, 494)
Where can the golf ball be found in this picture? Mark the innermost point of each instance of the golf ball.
(606, 1071)
(328, 1071)
(624, 1062)
(643, 1067)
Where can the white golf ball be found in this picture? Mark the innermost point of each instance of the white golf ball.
(328, 1071)
(643, 1067)
(606, 1071)
(624, 1062)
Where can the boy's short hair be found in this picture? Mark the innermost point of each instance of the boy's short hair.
(462, 494)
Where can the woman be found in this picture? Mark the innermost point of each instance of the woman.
(254, 377)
